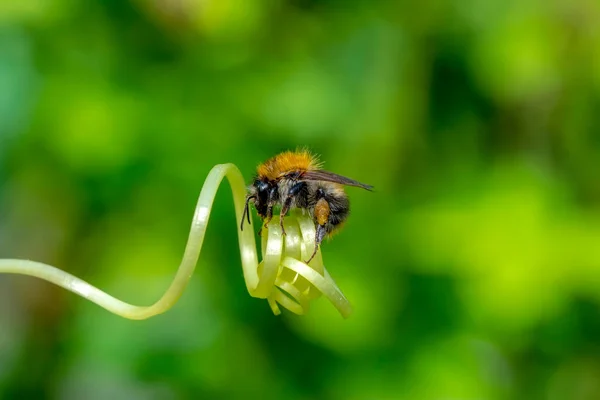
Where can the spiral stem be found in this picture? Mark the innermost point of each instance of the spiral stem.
(278, 254)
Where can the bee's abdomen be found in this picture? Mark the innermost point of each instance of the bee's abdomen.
(331, 206)
(339, 209)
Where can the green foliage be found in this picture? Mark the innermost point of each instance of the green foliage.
(473, 269)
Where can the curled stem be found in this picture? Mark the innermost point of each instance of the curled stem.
(281, 277)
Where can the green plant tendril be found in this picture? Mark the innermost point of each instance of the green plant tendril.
(281, 277)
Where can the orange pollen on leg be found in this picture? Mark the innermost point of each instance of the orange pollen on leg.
(322, 211)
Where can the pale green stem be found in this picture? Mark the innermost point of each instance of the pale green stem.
(186, 268)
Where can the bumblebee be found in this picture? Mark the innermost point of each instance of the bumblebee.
(294, 179)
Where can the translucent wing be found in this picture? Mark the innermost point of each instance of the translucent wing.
(320, 175)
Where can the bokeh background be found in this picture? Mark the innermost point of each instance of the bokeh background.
(474, 269)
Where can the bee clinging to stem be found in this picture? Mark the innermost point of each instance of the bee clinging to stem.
(294, 179)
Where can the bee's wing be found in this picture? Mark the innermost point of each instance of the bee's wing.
(320, 175)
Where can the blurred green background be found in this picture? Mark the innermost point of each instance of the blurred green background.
(474, 269)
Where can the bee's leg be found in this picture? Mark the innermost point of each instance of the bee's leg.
(266, 219)
(321, 232)
(287, 203)
(271, 202)
(321, 215)
(268, 215)
(284, 210)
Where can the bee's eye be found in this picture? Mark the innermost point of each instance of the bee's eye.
(260, 185)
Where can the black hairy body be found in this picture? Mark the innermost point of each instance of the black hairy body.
(294, 180)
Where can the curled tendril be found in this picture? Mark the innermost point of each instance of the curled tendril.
(281, 277)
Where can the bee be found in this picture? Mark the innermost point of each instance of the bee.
(294, 179)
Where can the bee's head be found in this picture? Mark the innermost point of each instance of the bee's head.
(262, 190)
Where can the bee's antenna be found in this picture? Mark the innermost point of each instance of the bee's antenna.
(246, 212)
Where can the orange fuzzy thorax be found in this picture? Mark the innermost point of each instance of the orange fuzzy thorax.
(284, 163)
